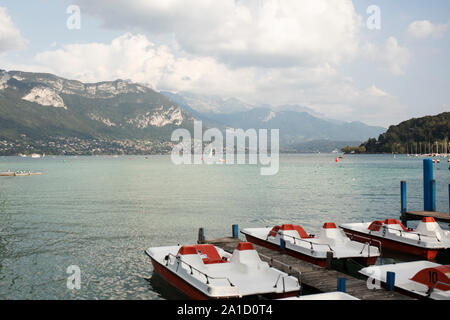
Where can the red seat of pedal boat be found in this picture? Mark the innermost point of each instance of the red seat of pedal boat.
(329, 225)
(428, 219)
(376, 225)
(243, 246)
(285, 227)
(207, 252)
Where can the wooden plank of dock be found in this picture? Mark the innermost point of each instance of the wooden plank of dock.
(418, 215)
(312, 276)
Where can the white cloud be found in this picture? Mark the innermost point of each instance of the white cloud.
(390, 55)
(133, 56)
(271, 51)
(344, 100)
(424, 29)
(376, 92)
(267, 33)
(10, 38)
(446, 107)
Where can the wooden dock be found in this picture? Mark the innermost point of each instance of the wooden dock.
(418, 215)
(19, 174)
(313, 277)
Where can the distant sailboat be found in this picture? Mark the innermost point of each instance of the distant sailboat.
(212, 153)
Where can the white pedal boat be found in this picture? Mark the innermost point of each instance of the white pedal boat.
(312, 248)
(204, 271)
(324, 296)
(424, 241)
(418, 279)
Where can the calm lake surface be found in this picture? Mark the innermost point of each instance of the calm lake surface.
(101, 213)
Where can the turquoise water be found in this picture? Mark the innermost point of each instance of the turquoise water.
(101, 213)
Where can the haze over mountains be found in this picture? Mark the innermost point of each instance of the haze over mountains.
(297, 124)
(44, 105)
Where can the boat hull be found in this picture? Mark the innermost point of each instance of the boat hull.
(178, 283)
(193, 293)
(366, 261)
(403, 291)
(429, 254)
(322, 262)
(295, 254)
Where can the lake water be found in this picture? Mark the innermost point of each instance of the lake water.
(101, 213)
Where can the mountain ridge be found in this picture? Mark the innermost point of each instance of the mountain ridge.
(296, 123)
(42, 105)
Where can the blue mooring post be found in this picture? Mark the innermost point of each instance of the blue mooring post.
(403, 202)
(201, 235)
(390, 280)
(282, 245)
(427, 177)
(341, 284)
(403, 196)
(235, 231)
(433, 195)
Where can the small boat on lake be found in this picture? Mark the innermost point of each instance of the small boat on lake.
(314, 249)
(418, 279)
(424, 241)
(26, 173)
(19, 173)
(204, 271)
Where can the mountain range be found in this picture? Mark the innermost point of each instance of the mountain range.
(41, 105)
(297, 124)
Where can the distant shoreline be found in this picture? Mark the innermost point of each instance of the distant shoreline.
(168, 154)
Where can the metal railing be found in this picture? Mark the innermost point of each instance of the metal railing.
(278, 279)
(430, 291)
(369, 243)
(406, 232)
(310, 242)
(207, 277)
(192, 268)
(289, 273)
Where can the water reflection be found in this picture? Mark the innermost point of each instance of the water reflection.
(164, 289)
(5, 220)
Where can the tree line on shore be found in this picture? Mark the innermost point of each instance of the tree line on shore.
(426, 135)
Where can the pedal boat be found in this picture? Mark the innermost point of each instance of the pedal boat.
(418, 279)
(204, 272)
(324, 296)
(424, 241)
(311, 248)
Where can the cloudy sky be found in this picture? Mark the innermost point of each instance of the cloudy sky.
(334, 56)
